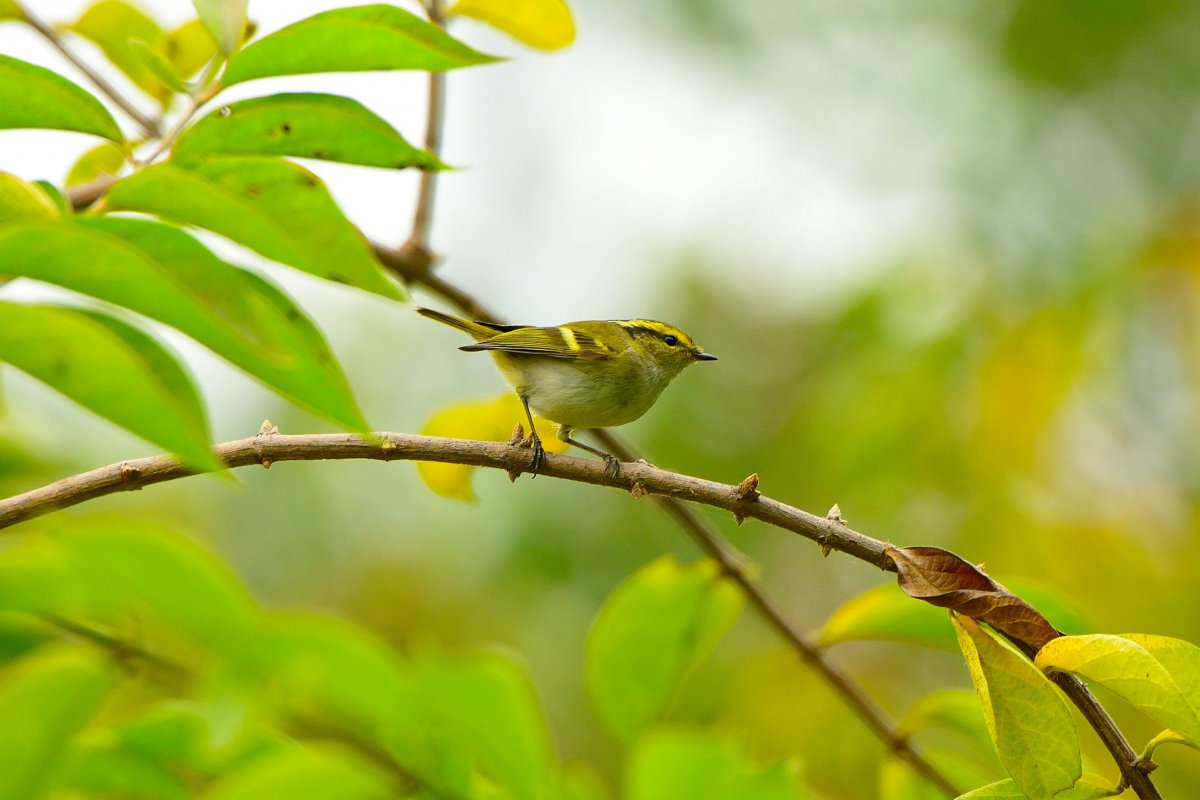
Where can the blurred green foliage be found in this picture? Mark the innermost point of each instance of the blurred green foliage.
(1021, 385)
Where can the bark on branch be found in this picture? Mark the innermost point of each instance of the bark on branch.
(273, 448)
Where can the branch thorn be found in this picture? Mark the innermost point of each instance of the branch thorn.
(637, 490)
(748, 489)
(267, 429)
(129, 473)
(835, 514)
(826, 547)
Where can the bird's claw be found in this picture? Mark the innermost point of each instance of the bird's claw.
(539, 453)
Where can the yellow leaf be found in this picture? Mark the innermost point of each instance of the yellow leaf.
(20, 201)
(541, 24)
(489, 420)
(189, 47)
(9, 10)
(105, 160)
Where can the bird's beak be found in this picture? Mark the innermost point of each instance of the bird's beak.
(705, 357)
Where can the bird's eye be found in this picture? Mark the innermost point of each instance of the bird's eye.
(670, 341)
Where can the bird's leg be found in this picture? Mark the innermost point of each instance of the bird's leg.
(539, 453)
(612, 464)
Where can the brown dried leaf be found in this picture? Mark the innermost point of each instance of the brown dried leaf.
(943, 579)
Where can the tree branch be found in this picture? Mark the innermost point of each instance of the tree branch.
(148, 125)
(273, 448)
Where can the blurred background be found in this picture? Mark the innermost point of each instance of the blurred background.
(948, 253)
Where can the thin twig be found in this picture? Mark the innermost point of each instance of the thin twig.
(713, 545)
(120, 649)
(195, 103)
(434, 126)
(148, 124)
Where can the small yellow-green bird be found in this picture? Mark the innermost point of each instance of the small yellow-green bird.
(590, 374)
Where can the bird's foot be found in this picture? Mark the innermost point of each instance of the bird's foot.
(539, 453)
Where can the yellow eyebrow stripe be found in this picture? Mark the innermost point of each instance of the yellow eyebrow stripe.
(645, 326)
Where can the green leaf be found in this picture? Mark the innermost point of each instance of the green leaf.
(1000, 790)
(168, 590)
(450, 721)
(956, 711)
(272, 206)
(174, 732)
(1159, 675)
(21, 634)
(45, 700)
(311, 664)
(1027, 717)
(56, 197)
(481, 712)
(576, 782)
(1089, 787)
(885, 613)
(364, 38)
(225, 19)
(674, 764)
(544, 24)
(111, 25)
(899, 781)
(157, 65)
(260, 329)
(161, 272)
(652, 631)
(20, 201)
(320, 126)
(103, 161)
(97, 769)
(314, 773)
(111, 369)
(35, 97)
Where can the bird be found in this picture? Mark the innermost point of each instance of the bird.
(586, 374)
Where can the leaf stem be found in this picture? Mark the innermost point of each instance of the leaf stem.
(148, 125)
(195, 103)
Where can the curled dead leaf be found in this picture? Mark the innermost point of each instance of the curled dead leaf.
(943, 579)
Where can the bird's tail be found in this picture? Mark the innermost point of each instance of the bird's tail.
(476, 330)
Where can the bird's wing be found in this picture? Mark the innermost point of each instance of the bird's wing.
(549, 342)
